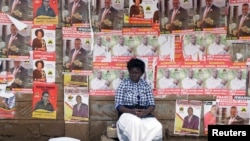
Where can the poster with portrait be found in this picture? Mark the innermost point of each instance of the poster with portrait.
(209, 114)
(168, 78)
(107, 15)
(14, 43)
(18, 9)
(45, 12)
(218, 48)
(237, 79)
(216, 78)
(187, 117)
(211, 16)
(177, 16)
(19, 76)
(233, 110)
(238, 20)
(76, 13)
(44, 100)
(44, 67)
(192, 78)
(76, 104)
(77, 51)
(167, 47)
(239, 50)
(194, 47)
(7, 104)
(43, 38)
(141, 13)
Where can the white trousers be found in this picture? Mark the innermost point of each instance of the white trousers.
(133, 128)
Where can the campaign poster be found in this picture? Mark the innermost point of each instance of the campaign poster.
(76, 104)
(7, 104)
(141, 13)
(44, 67)
(239, 50)
(18, 9)
(168, 78)
(44, 100)
(216, 78)
(102, 47)
(237, 76)
(43, 38)
(14, 42)
(107, 15)
(187, 117)
(192, 78)
(166, 47)
(77, 51)
(233, 110)
(209, 113)
(76, 13)
(45, 12)
(238, 20)
(177, 16)
(211, 16)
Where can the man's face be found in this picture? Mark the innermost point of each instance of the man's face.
(99, 41)
(245, 10)
(107, 3)
(176, 4)
(78, 99)
(217, 39)
(209, 3)
(13, 30)
(239, 74)
(121, 74)
(77, 44)
(121, 40)
(215, 73)
(45, 97)
(46, 3)
(145, 40)
(193, 39)
(191, 73)
(99, 75)
(167, 73)
(233, 112)
(17, 63)
(190, 111)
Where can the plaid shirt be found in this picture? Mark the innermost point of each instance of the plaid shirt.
(132, 94)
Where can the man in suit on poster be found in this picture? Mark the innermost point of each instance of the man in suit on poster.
(20, 75)
(108, 17)
(15, 42)
(78, 57)
(79, 12)
(210, 16)
(191, 121)
(178, 17)
(19, 9)
(80, 109)
(243, 23)
(234, 118)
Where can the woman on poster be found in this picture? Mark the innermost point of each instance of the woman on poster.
(39, 74)
(136, 10)
(38, 43)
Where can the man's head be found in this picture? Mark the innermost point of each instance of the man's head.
(233, 111)
(46, 3)
(121, 74)
(108, 3)
(209, 3)
(78, 43)
(121, 40)
(45, 96)
(245, 8)
(78, 99)
(17, 64)
(190, 111)
(191, 73)
(167, 73)
(99, 41)
(239, 73)
(13, 29)
(215, 73)
(145, 40)
(99, 74)
(217, 39)
(176, 4)
(193, 39)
